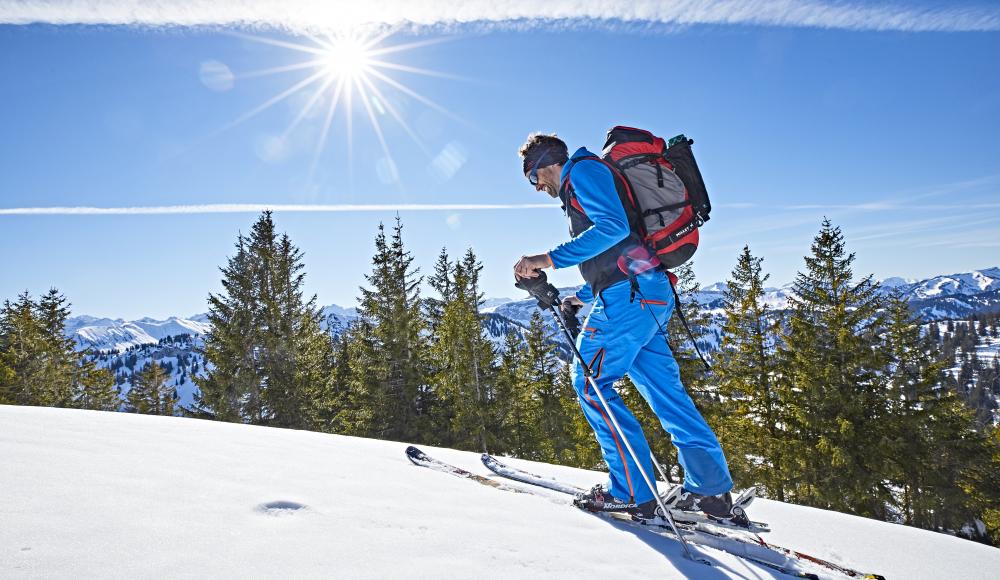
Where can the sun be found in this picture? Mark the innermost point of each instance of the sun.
(347, 57)
(344, 70)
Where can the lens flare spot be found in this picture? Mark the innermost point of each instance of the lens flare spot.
(216, 76)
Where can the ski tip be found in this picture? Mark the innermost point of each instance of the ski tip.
(414, 454)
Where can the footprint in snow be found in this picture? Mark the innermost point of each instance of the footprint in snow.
(280, 508)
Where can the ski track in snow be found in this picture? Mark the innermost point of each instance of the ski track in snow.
(87, 494)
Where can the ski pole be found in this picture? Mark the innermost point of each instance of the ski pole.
(614, 421)
(659, 467)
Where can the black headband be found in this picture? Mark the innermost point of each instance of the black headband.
(553, 154)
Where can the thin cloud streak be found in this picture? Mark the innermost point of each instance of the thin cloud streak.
(258, 207)
(319, 16)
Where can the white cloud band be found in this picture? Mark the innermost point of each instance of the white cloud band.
(311, 16)
(258, 207)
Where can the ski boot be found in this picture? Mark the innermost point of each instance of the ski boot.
(717, 508)
(598, 499)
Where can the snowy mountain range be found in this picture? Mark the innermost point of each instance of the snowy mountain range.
(106, 334)
(943, 297)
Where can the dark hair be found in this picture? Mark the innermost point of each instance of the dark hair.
(539, 144)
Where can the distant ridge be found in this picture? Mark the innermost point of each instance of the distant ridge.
(946, 296)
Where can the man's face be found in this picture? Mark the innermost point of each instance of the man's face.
(548, 179)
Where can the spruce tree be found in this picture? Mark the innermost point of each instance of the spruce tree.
(464, 360)
(441, 409)
(442, 282)
(831, 384)
(267, 351)
(22, 344)
(389, 393)
(914, 406)
(95, 388)
(554, 426)
(517, 433)
(981, 480)
(225, 391)
(746, 369)
(539, 412)
(332, 403)
(150, 394)
(63, 362)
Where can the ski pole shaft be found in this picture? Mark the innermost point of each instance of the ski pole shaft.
(659, 467)
(621, 434)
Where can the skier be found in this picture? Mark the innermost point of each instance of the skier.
(620, 337)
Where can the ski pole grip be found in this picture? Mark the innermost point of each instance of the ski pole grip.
(539, 288)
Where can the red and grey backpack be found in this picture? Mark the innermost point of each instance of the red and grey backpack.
(665, 188)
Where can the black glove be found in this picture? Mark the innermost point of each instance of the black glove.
(546, 294)
(569, 311)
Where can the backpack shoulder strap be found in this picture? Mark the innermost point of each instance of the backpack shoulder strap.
(633, 210)
(566, 188)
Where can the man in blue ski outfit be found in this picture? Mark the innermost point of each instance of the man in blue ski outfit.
(619, 336)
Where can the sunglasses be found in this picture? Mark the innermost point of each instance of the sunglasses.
(533, 174)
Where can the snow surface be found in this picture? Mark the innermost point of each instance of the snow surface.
(109, 495)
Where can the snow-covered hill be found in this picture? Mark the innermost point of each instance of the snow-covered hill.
(108, 495)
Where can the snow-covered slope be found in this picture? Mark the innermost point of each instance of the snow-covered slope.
(109, 495)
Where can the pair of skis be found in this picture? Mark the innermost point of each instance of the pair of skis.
(740, 522)
(696, 528)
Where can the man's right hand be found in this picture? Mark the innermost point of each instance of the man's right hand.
(572, 300)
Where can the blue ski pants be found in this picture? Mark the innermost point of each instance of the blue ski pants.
(620, 337)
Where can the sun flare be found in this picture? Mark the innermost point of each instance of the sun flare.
(347, 57)
(346, 70)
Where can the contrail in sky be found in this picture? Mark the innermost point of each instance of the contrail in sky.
(258, 207)
(316, 16)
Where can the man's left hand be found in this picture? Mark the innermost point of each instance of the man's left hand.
(528, 266)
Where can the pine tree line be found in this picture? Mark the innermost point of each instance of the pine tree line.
(410, 368)
(841, 402)
(40, 366)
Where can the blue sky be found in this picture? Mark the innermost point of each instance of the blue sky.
(887, 129)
